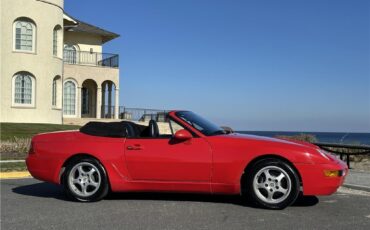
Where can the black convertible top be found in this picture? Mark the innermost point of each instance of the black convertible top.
(113, 129)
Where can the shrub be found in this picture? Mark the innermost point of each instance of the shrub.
(300, 137)
(15, 149)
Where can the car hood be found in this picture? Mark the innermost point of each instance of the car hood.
(271, 140)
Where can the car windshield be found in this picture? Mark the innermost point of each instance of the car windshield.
(201, 124)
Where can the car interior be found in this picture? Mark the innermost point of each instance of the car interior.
(124, 129)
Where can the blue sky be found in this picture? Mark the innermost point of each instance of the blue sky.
(253, 65)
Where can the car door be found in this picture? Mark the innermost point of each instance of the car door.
(163, 159)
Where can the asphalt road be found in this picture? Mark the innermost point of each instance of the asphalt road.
(31, 204)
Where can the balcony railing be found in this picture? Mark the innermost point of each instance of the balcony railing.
(90, 58)
(134, 114)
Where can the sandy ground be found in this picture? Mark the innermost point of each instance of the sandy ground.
(363, 166)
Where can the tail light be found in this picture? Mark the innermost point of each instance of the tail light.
(31, 150)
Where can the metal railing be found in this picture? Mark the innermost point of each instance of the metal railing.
(139, 114)
(134, 114)
(345, 150)
(90, 58)
(108, 112)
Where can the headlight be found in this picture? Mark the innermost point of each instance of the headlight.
(324, 153)
(334, 173)
(328, 155)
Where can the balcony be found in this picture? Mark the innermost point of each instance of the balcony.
(90, 58)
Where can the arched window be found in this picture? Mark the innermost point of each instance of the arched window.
(56, 37)
(69, 99)
(24, 35)
(54, 93)
(55, 42)
(55, 89)
(85, 100)
(23, 89)
(70, 54)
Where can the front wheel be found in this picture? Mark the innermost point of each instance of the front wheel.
(272, 184)
(85, 180)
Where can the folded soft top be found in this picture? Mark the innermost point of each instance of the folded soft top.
(112, 129)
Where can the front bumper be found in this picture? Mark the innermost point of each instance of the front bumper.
(316, 183)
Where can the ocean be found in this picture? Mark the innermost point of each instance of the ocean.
(327, 137)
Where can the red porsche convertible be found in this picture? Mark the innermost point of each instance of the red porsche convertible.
(182, 152)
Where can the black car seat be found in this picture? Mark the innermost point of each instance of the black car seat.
(153, 129)
(129, 129)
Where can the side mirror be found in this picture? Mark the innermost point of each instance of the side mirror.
(227, 129)
(183, 135)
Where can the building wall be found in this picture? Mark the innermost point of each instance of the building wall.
(41, 64)
(80, 73)
(97, 74)
(83, 41)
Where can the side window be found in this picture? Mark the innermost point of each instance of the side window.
(164, 128)
(175, 127)
(168, 128)
(157, 126)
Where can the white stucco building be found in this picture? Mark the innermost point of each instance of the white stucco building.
(52, 66)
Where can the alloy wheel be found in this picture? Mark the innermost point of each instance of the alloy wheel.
(84, 179)
(272, 184)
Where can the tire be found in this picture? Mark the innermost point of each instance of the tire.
(85, 180)
(272, 184)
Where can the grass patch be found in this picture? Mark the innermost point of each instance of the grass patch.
(13, 167)
(10, 131)
(13, 155)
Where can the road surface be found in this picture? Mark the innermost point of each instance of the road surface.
(31, 204)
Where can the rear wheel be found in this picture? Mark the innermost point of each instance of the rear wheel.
(272, 183)
(85, 180)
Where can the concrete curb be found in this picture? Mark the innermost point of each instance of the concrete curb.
(14, 175)
(357, 187)
(12, 161)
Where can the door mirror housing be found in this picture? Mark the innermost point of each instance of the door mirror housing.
(183, 135)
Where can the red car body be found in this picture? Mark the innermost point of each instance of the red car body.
(205, 164)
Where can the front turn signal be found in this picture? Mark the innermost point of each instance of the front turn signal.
(332, 173)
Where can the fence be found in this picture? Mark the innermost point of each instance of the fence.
(134, 114)
(90, 58)
(108, 111)
(139, 114)
(345, 150)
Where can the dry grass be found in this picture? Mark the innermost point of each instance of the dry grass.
(300, 137)
(14, 149)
